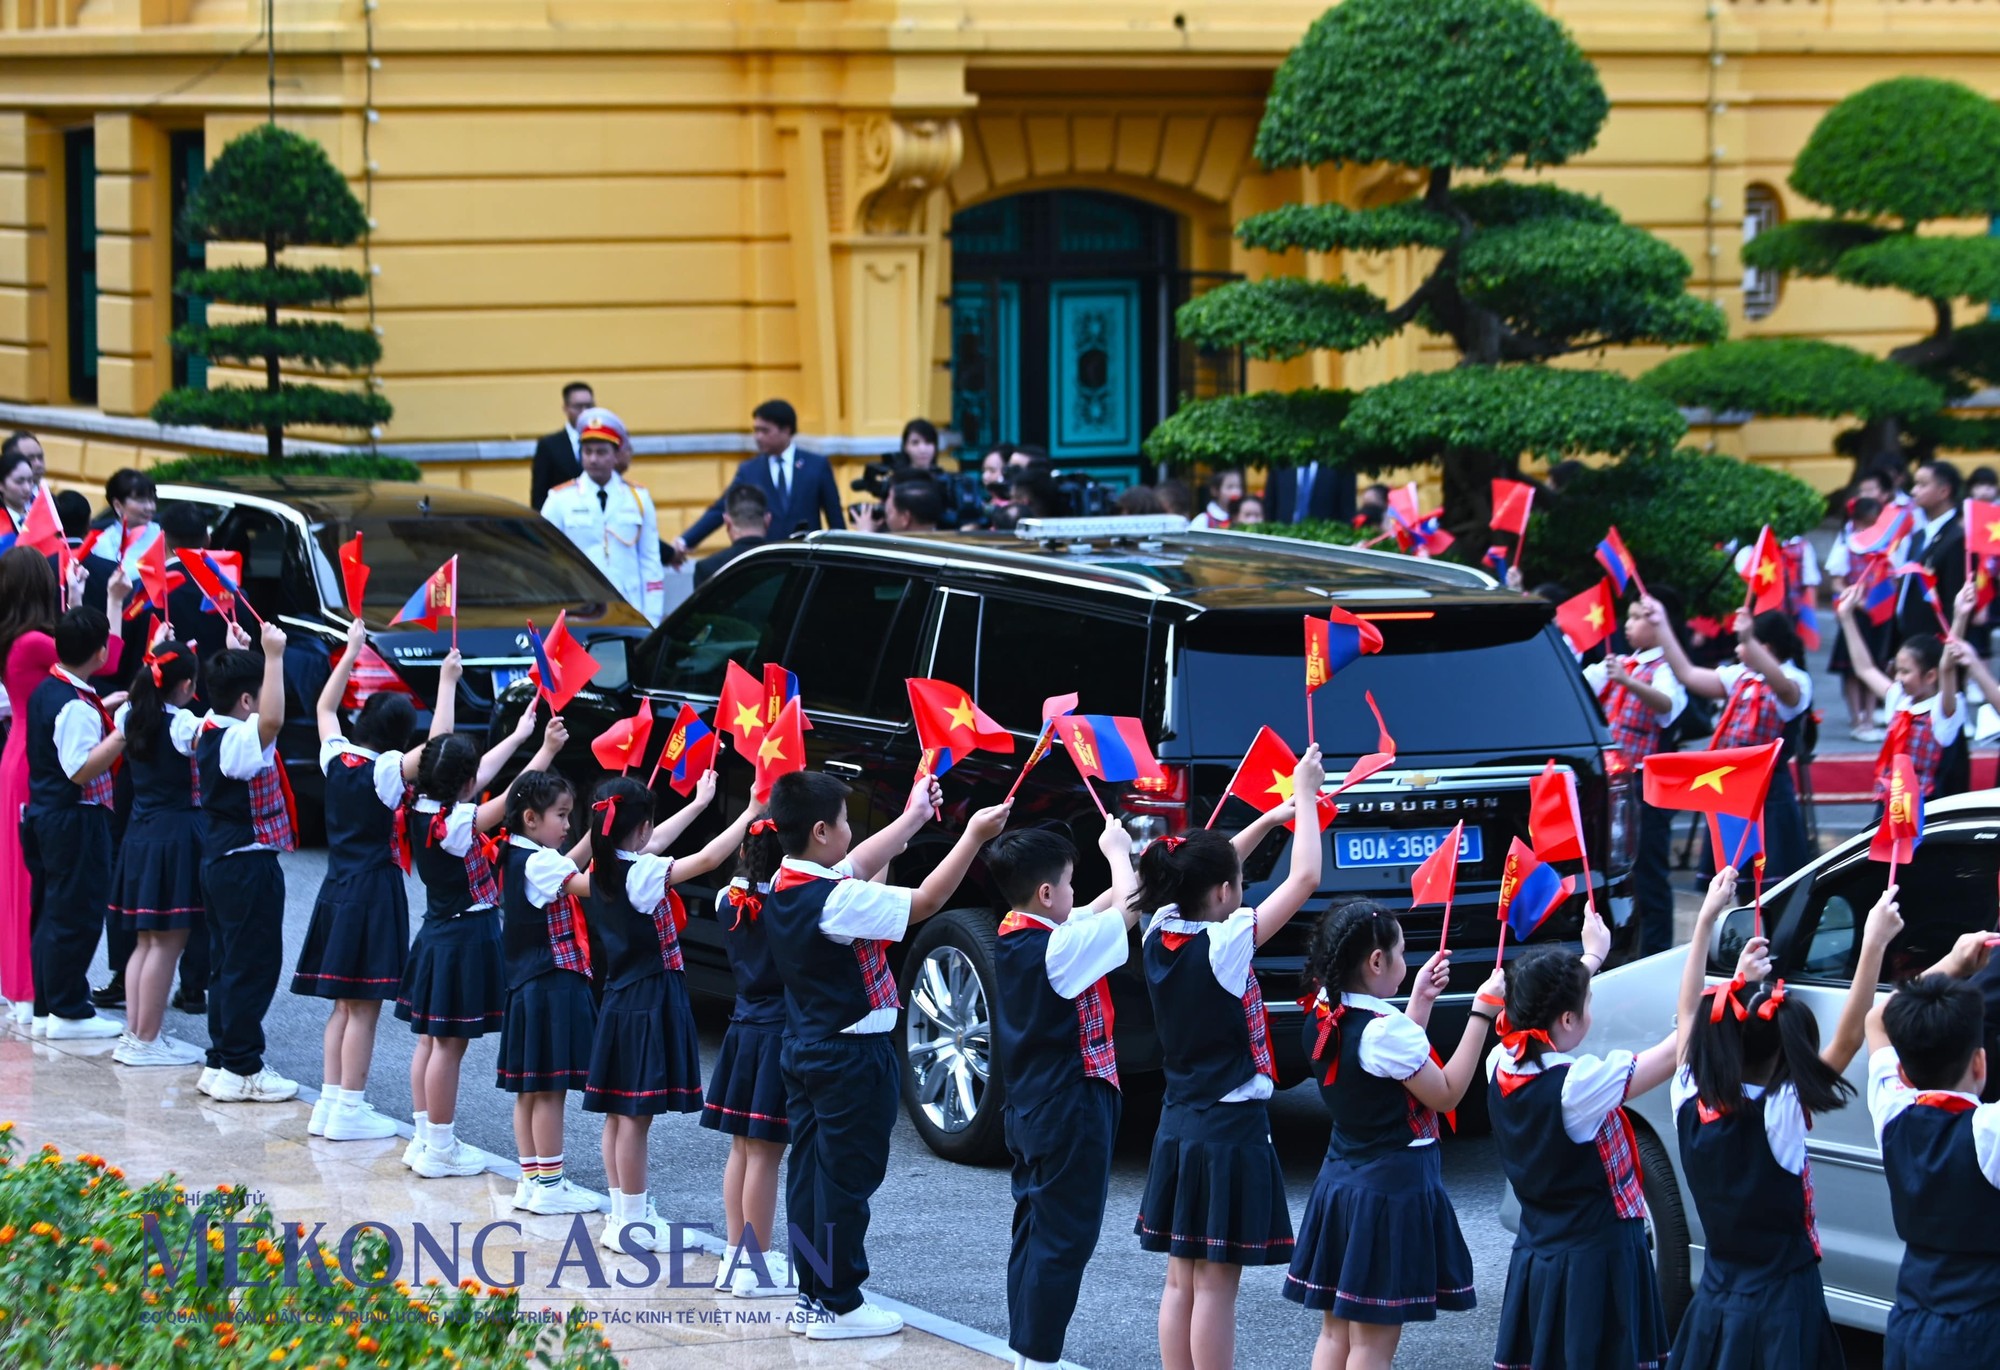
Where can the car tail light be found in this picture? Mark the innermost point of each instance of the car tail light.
(372, 676)
(1621, 803)
(1153, 809)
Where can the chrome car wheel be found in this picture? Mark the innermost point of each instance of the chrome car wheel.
(950, 1039)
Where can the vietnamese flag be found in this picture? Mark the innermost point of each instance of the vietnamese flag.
(948, 720)
(1107, 747)
(1765, 573)
(782, 751)
(1587, 619)
(562, 664)
(740, 709)
(624, 741)
(353, 573)
(1512, 502)
(1982, 527)
(206, 572)
(371, 676)
(1902, 826)
(435, 598)
(1731, 780)
(1263, 779)
(1555, 821)
(42, 528)
(1436, 880)
(153, 574)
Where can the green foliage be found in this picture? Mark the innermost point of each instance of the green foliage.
(1497, 204)
(315, 342)
(288, 287)
(1570, 280)
(1316, 530)
(1508, 411)
(1671, 509)
(292, 406)
(277, 187)
(1808, 247)
(1281, 317)
(1269, 428)
(1432, 83)
(1911, 148)
(214, 468)
(1794, 378)
(1948, 268)
(82, 1283)
(1975, 358)
(1335, 228)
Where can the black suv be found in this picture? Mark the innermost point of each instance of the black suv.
(1197, 633)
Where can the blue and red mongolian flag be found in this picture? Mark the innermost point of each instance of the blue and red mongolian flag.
(1107, 747)
(688, 752)
(1529, 891)
(435, 598)
(1617, 561)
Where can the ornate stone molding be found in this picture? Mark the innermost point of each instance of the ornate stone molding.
(898, 164)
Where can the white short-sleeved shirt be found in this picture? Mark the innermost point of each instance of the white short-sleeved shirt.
(183, 727)
(647, 878)
(856, 911)
(1784, 1117)
(1598, 674)
(388, 774)
(1392, 1046)
(546, 870)
(1732, 671)
(243, 757)
(1840, 556)
(1231, 944)
(79, 728)
(1083, 949)
(1944, 727)
(1889, 1094)
(1594, 1087)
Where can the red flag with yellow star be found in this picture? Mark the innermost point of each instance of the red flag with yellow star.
(1587, 619)
(740, 709)
(1982, 527)
(1731, 780)
(948, 720)
(1263, 779)
(781, 750)
(1765, 573)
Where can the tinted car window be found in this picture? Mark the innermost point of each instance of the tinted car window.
(275, 576)
(744, 615)
(843, 655)
(521, 560)
(1459, 683)
(1948, 890)
(1029, 651)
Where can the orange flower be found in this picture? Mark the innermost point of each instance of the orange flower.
(99, 1245)
(469, 1284)
(156, 1270)
(49, 1149)
(369, 1344)
(278, 1354)
(7, 1234)
(274, 1258)
(225, 1189)
(114, 1172)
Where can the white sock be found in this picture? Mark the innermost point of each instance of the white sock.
(628, 1207)
(343, 1097)
(423, 1126)
(617, 1202)
(441, 1138)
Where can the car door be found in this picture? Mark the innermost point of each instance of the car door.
(1949, 889)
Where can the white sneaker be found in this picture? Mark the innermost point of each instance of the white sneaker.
(610, 1237)
(322, 1107)
(95, 1026)
(803, 1313)
(560, 1197)
(158, 1052)
(747, 1284)
(411, 1152)
(206, 1084)
(265, 1087)
(38, 1025)
(23, 1013)
(433, 1164)
(865, 1321)
(520, 1199)
(722, 1275)
(358, 1122)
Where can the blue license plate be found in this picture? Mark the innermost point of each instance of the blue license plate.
(503, 676)
(1360, 847)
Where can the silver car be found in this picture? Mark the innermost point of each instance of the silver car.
(1814, 920)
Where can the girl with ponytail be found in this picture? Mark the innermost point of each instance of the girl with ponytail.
(358, 939)
(1379, 1245)
(156, 890)
(1214, 1137)
(1753, 1076)
(454, 982)
(644, 1059)
(1580, 1284)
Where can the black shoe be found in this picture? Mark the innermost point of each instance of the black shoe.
(112, 995)
(191, 1001)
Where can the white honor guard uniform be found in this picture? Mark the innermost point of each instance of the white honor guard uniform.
(614, 524)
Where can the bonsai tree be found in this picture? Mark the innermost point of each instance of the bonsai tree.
(277, 188)
(1887, 161)
(1523, 273)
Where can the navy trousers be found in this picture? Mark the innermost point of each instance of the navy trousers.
(69, 858)
(245, 895)
(1652, 880)
(1062, 1176)
(841, 1096)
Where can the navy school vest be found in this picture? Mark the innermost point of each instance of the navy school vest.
(1946, 1211)
(1756, 1213)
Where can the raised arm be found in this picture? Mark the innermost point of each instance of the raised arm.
(1302, 881)
(271, 698)
(494, 811)
(1116, 844)
(327, 710)
(1698, 679)
(1860, 659)
(1443, 1087)
(720, 848)
(870, 856)
(667, 833)
(1960, 651)
(1694, 974)
(1248, 840)
(1885, 921)
(944, 881)
(1764, 662)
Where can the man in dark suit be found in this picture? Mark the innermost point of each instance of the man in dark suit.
(798, 486)
(1317, 490)
(1937, 543)
(747, 518)
(557, 456)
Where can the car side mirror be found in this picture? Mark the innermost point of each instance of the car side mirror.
(1732, 933)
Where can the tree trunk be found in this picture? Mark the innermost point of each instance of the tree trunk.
(274, 432)
(1468, 496)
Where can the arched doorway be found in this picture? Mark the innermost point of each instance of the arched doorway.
(1062, 325)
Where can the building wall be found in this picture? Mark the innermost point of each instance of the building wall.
(697, 208)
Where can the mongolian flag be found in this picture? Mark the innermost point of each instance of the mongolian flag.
(1587, 619)
(1902, 826)
(206, 570)
(624, 741)
(1982, 528)
(1108, 748)
(949, 722)
(1731, 780)
(436, 597)
(1738, 842)
(1052, 708)
(353, 573)
(1927, 579)
(1879, 600)
(1805, 614)
(1512, 501)
(1555, 821)
(688, 752)
(153, 580)
(562, 664)
(1617, 561)
(1416, 530)
(1495, 561)
(782, 751)
(1765, 573)
(740, 709)
(1890, 527)
(1529, 891)
(781, 687)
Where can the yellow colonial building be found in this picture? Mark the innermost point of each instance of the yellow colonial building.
(980, 211)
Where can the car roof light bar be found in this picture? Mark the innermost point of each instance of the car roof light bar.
(1106, 528)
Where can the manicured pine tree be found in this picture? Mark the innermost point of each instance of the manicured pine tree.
(278, 189)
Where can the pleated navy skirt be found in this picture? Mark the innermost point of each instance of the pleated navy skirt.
(1919, 1339)
(157, 885)
(455, 984)
(746, 1091)
(545, 1041)
(1583, 1307)
(1380, 1243)
(358, 941)
(1214, 1190)
(1743, 1318)
(645, 1058)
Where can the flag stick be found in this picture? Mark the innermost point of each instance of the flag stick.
(1499, 955)
(1028, 765)
(1757, 900)
(1091, 790)
(1309, 716)
(454, 621)
(1234, 776)
(1444, 932)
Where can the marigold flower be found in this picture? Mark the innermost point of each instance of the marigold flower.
(99, 1245)
(274, 1258)
(156, 1270)
(278, 1354)
(6, 1128)
(7, 1234)
(469, 1284)
(369, 1344)
(225, 1189)
(49, 1149)
(114, 1172)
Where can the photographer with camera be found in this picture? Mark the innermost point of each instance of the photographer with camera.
(914, 504)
